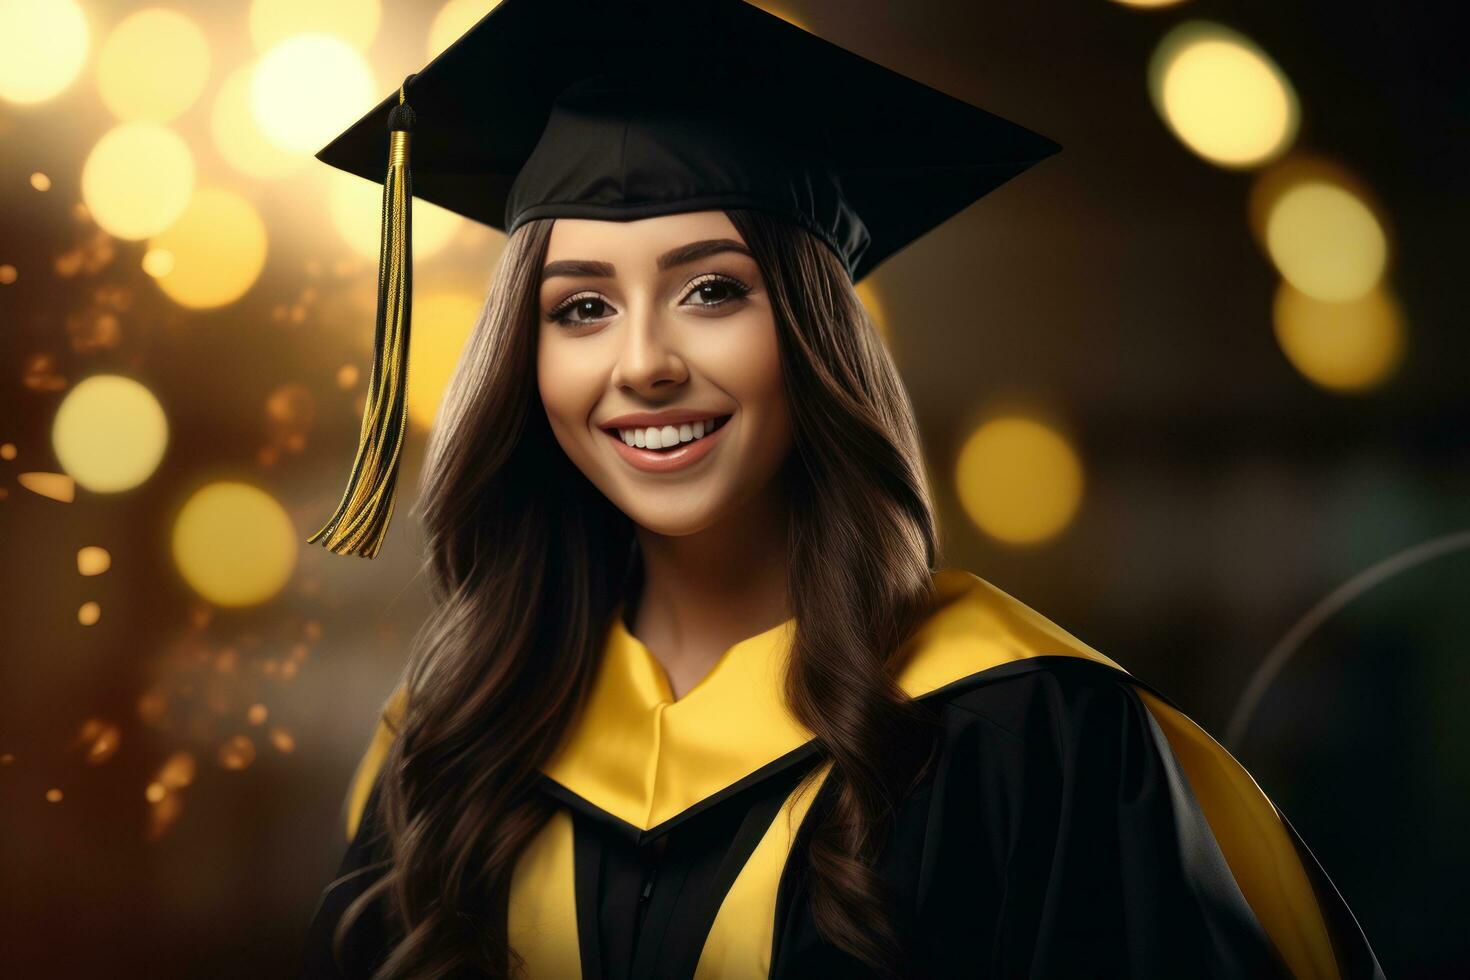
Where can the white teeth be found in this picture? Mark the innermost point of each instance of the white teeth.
(667, 436)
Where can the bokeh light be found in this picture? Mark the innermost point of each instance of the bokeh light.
(283, 741)
(1148, 3)
(309, 88)
(43, 45)
(273, 21)
(1326, 241)
(163, 814)
(234, 544)
(442, 322)
(290, 410)
(218, 247)
(1019, 480)
(137, 180)
(99, 740)
(152, 66)
(236, 752)
(1349, 346)
(1222, 96)
(357, 214)
(453, 20)
(54, 486)
(158, 262)
(93, 560)
(238, 136)
(110, 433)
(40, 181)
(177, 771)
(89, 613)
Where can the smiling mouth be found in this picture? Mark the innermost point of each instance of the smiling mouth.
(667, 438)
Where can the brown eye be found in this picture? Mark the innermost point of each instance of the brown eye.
(580, 309)
(717, 291)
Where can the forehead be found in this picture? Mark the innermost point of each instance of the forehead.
(637, 242)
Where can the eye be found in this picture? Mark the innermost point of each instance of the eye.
(581, 308)
(716, 289)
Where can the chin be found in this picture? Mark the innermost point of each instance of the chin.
(671, 522)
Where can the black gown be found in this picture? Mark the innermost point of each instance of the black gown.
(1059, 835)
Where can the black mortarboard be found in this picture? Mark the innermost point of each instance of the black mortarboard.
(626, 109)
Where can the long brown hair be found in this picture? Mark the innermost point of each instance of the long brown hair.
(527, 560)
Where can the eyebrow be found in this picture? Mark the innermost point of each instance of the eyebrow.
(674, 256)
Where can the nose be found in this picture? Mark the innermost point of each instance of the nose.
(648, 360)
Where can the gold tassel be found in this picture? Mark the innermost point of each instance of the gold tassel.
(361, 520)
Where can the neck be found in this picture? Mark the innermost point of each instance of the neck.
(705, 592)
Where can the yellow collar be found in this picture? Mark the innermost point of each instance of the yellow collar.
(643, 757)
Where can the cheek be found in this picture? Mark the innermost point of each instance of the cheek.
(568, 385)
(749, 369)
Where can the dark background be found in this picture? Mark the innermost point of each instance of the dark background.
(1118, 284)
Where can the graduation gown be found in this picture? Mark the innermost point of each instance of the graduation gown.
(1076, 824)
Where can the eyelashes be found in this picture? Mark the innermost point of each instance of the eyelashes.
(734, 288)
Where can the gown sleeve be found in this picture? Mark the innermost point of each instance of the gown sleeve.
(1116, 854)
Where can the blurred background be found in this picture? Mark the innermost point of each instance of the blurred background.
(1196, 389)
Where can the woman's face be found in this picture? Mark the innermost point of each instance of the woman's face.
(658, 365)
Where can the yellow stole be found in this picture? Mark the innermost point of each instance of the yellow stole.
(643, 757)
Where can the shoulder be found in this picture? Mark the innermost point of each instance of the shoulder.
(1048, 696)
(981, 650)
(1069, 753)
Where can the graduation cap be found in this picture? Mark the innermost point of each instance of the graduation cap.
(624, 109)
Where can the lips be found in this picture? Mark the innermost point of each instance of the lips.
(683, 455)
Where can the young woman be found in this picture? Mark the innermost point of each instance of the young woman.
(696, 699)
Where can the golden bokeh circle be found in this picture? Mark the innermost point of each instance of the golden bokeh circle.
(234, 544)
(1222, 95)
(1326, 241)
(137, 180)
(218, 247)
(158, 262)
(110, 433)
(152, 66)
(308, 88)
(1019, 480)
(1349, 347)
(43, 46)
(93, 560)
